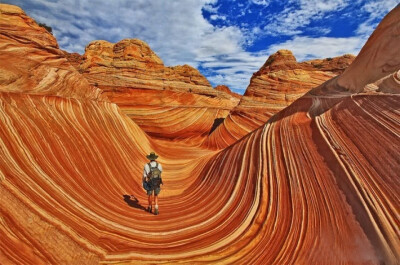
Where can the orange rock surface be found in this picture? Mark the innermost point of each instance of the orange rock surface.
(278, 83)
(135, 78)
(316, 184)
(226, 89)
(38, 67)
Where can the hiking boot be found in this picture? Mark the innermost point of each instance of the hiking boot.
(156, 212)
(149, 209)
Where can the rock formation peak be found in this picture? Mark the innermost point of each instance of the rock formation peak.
(30, 48)
(281, 58)
(278, 83)
(11, 10)
(127, 53)
(226, 89)
(17, 22)
(131, 75)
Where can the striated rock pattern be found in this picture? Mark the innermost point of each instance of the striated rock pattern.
(28, 48)
(75, 59)
(173, 115)
(131, 63)
(226, 89)
(278, 83)
(317, 184)
(135, 78)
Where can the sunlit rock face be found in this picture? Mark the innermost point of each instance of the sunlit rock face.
(309, 184)
(317, 183)
(37, 67)
(278, 83)
(166, 102)
(226, 89)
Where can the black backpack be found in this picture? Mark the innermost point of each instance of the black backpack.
(154, 176)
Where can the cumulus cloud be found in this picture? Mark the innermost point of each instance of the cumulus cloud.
(215, 17)
(234, 69)
(300, 14)
(305, 48)
(375, 9)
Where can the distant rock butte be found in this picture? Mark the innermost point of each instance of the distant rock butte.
(131, 75)
(226, 89)
(282, 79)
(131, 63)
(278, 83)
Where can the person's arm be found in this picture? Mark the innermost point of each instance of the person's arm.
(145, 172)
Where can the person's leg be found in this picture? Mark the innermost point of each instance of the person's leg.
(149, 193)
(156, 192)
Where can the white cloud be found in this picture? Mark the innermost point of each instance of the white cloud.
(175, 30)
(179, 34)
(375, 9)
(210, 8)
(233, 78)
(261, 2)
(305, 48)
(300, 13)
(234, 69)
(215, 17)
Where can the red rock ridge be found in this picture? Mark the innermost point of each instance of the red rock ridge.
(134, 77)
(278, 83)
(226, 89)
(131, 63)
(50, 72)
(75, 59)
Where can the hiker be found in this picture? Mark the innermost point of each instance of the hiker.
(152, 180)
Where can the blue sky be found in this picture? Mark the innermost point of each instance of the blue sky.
(226, 40)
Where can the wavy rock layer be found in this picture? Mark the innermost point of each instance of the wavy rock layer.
(226, 89)
(38, 66)
(135, 78)
(173, 115)
(318, 183)
(278, 83)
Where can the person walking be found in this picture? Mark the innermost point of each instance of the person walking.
(152, 181)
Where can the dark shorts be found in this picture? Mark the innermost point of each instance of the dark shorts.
(150, 190)
(156, 191)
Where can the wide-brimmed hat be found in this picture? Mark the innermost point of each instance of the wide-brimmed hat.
(152, 156)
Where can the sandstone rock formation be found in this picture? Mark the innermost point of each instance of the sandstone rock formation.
(226, 89)
(278, 83)
(318, 183)
(135, 78)
(49, 72)
(75, 59)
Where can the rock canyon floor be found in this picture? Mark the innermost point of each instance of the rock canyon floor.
(301, 169)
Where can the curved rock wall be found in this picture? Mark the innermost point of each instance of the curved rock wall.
(316, 184)
(32, 63)
(278, 83)
(135, 78)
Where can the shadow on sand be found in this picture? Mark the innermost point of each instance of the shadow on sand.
(132, 201)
